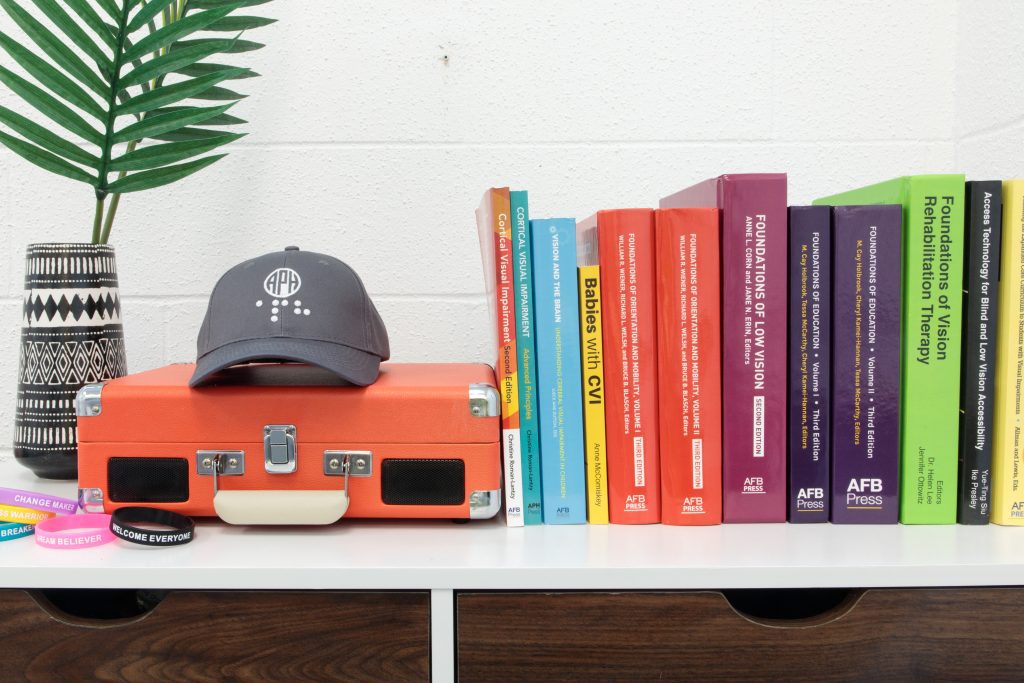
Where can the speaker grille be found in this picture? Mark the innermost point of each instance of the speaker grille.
(147, 480)
(408, 481)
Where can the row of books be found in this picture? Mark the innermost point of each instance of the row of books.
(726, 357)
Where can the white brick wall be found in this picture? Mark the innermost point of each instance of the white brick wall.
(365, 142)
(989, 89)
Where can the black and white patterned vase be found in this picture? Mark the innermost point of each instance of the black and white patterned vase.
(71, 335)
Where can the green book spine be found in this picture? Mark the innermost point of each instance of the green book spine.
(933, 243)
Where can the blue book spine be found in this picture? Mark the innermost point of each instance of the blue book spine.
(529, 429)
(559, 377)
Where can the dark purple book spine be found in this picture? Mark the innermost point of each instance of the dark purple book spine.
(810, 349)
(866, 268)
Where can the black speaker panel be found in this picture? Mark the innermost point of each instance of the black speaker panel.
(409, 481)
(147, 480)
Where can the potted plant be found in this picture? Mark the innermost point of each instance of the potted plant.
(125, 101)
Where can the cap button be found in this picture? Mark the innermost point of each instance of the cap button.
(291, 248)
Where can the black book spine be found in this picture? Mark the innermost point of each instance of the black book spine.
(983, 221)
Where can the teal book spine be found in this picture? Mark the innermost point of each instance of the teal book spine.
(559, 375)
(529, 429)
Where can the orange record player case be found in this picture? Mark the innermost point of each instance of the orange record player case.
(284, 447)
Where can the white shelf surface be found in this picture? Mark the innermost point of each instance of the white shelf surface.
(382, 555)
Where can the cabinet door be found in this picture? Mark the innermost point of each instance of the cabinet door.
(221, 635)
(883, 635)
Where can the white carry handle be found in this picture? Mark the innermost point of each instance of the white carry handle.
(281, 507)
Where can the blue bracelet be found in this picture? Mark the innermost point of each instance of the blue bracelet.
(9, 532)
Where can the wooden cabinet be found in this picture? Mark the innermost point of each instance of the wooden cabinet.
(401, 600)
(874, 634)
(221, 635)
(878, 634)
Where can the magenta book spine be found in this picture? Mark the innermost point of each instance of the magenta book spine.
(754, 275)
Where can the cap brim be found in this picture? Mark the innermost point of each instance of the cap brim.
(355, 366)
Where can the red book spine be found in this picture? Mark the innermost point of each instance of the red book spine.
(754, 279)
(689, 366)
(625, 239)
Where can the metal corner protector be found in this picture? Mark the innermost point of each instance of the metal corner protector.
(484, 504)
(484, 401)
(88, 400)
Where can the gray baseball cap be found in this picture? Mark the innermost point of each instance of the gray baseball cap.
(297, 306)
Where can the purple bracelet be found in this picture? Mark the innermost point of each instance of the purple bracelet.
(38, 501)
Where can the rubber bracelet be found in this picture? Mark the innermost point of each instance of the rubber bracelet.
(123, 520)
(38, 501)
(9, 513)
(9, 532)
(79, 531)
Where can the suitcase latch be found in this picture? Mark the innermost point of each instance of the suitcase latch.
(279, 449)
(223, 463)
(348, 463)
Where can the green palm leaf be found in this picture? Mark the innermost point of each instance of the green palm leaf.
(175, 31)
(238, 46)
(52, 78)
(219, 120)
(203, 68)
(235, 24)
(148, 12)
(99, 61)
(163, 121)
(50, 106)
(225, 120)
(94, 21)
(60, 53)
(43, 159)
(214, 4)
(72, 30)
(172, 61)
(188, 134)
(219, 94)
(111, 8)
(155, 156)
(147, 180)
(169, 94)
(45, 138)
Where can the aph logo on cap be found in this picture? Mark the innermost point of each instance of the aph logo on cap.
(283, 282)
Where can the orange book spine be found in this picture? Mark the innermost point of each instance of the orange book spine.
(689, 365)
(625, 240)
(495, 228)
(508, 363)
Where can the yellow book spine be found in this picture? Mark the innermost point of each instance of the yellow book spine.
(592, 357)
(1007, 443)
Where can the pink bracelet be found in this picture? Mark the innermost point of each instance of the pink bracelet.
(38, 501)
(77, 531)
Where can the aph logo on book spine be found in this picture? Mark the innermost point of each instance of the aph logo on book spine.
(281, 284)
